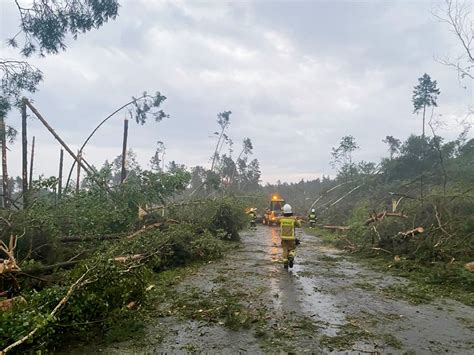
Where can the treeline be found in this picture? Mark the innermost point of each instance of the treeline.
(427, 180)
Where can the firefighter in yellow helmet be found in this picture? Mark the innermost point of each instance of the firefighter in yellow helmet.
(312, 218)
(253, 218)
(288, 226)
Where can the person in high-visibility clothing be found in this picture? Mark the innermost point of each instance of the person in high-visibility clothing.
(253, 218)
(312, 217)
(288, 226)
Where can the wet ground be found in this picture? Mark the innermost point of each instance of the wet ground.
(247, 303)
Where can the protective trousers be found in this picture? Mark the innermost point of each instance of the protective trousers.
(289, 249)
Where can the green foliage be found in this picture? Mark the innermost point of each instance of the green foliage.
(425, 93)
(109, 285)
(393, 145)
(148, 105)
(45, 24)
(18, 77)
(223, 217)
(342, 156)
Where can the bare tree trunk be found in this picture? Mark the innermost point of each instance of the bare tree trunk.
(78, 177)
(84, 165)
(440, 156)
(97, 128)
(60, 174)
(163, 160)
(32, 161)
(217, 149)
(234, 171)
(3, 137)
(123, 174)
(422, 154)
(24, 145)
(424, 113)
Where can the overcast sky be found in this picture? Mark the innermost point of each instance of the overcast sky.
(297, 76)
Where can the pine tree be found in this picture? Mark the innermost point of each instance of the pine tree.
(425, 95)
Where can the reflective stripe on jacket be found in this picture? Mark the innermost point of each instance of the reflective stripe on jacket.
(287, 228)
(312, 216)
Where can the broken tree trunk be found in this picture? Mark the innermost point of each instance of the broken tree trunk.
(380, 216)
(84, 165)
(31, 161)
(144, 96)
(78, 177)
(3, 138)
(8, 304)
(60, 174)
(72, 239)
(124, 259)
(24, 145)
(412, 232)
(340, 228)
(79, 283)
(123, 173)
(47, 268)
(151, 227)
(324, 194)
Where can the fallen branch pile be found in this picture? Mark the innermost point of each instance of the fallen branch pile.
(79, 283)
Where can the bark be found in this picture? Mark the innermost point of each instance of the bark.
(3, 138)
(78, 177)
(341, 228)
(324, 194)
(84, 165)
(97, 128)
(60, 174)
(24, 144)
(47, 268)
(8, 304)
(123, 174)
(32, 161)
(79, 283)
(381, 216)
(78, 238)
(151, 227)
(412, 232)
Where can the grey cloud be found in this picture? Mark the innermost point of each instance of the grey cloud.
(297, 76)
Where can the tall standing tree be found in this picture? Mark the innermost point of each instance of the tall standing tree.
(425, 95)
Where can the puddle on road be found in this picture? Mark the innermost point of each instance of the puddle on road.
(292, 291)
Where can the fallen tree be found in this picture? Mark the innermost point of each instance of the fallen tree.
(376, 217)
(334, 228)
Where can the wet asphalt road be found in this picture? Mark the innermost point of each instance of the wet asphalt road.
(325, 304)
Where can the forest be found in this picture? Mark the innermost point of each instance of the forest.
(84, 252)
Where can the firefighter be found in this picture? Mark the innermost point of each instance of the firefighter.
(288, 225)
(253, 218)
(312, 218)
